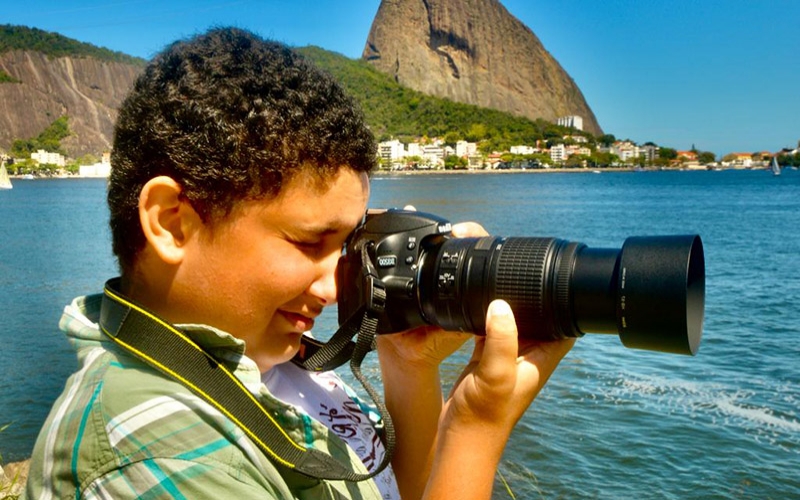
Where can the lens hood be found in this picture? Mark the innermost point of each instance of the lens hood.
(661, 293)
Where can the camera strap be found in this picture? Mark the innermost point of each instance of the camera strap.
(319, 356)
(363, 324)
(165, 348)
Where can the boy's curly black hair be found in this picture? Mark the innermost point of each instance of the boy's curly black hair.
(230, 117)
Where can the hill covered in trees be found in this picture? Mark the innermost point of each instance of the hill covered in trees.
(394, 111)
(55, 45)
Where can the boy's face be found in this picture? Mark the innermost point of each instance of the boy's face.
(264, 274)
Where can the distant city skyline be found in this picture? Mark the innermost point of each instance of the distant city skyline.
(719, 76)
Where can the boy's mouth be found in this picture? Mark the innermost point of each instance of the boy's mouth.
(298, 321)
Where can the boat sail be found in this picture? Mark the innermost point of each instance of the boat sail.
(5, 181)
(776, 169)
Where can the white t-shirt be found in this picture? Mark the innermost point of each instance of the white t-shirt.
(325, 397)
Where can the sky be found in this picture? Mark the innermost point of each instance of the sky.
(718, 75)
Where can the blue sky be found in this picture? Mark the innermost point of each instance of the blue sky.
(721, 75)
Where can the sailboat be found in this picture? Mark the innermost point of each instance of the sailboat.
(776, 169)
(5, 180)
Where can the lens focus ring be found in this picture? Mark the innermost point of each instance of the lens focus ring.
(520, 279)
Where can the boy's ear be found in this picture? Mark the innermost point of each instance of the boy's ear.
(167, 218)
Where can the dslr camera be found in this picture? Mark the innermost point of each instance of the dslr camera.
(650, 292)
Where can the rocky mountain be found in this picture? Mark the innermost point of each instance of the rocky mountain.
(476, 52)
(39, 88)
(468, 51)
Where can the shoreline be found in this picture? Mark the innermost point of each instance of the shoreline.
(503, 171)
(400, 173)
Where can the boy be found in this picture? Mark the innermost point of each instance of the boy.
(239, 170)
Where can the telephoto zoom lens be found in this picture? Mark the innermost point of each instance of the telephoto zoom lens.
(651, 292)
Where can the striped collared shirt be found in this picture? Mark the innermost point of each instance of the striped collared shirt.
(122, 430)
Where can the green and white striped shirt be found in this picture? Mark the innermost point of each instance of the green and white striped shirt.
(122, 430)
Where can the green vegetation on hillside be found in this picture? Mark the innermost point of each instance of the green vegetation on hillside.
(55, 45)
(49, 140)
(6, 78)
(394, 111)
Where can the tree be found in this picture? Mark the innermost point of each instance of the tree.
(540, 158)
(49, 140)
(706, 157)
(639, 161)
(668, 153)
(606, 139)
(451, 138)
(599, 159)
(577, 161)
(22, 148)
(477, 132)
(454, 162)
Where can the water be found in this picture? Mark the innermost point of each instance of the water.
(54, 245)
(612, 422)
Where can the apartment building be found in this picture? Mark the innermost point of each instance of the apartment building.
(46, 158)
(572, 121)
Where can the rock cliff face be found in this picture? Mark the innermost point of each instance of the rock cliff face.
(88, 90)
(476, 52)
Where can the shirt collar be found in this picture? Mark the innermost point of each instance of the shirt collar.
(80, 322)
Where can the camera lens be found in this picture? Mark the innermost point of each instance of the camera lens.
(651, 292)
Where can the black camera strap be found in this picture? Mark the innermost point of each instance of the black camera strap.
(319, 356)
(363, 324)
(165, 348)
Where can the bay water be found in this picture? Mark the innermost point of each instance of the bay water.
(612, 422)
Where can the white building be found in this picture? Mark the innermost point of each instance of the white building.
(572, 121)
(414, 149)
(580, 150)
(100, 169)
(561, 152)
(44, 157)
(433, 155)
(523, 150)
(464, 148)
(625, 150)
(649, 152)
(97, 170)
(390, 151)
(579, 139)
(558, 153)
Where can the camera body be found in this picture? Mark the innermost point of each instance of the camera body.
(651, 292)
(394, 242)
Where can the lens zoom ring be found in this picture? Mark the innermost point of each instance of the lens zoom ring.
(520, 278)
(563, 279)
(563, 275)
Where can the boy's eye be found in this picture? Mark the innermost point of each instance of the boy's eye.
(309, 245)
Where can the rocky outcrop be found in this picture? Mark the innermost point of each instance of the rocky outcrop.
(476, 52)
(88, 90)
